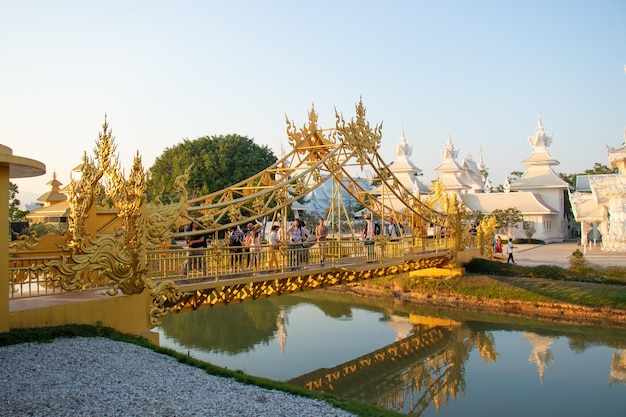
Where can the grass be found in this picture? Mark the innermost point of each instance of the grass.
(580, 284)
(579, 270)
(523, 289)
(48, 334)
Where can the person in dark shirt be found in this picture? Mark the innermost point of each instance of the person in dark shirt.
(197, 250)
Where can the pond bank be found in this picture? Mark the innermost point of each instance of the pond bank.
(554, 311)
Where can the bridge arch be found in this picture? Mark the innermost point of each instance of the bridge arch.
(115, 237)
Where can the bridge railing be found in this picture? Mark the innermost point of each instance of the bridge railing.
(26, 279)
(219, 262)
(234, 261)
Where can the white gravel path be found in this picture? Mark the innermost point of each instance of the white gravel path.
(101, 377)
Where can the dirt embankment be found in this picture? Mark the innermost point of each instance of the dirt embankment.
(562, 313)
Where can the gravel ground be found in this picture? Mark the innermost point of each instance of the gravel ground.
(101, 377)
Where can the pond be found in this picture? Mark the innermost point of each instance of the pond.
(415, 360)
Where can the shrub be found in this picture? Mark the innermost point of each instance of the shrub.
(526, 241)
(614, 275)
(580, 270)
(484, 266)
(548, 271)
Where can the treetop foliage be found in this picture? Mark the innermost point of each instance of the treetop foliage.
(597, 169)
(217, 162)
(15, 214)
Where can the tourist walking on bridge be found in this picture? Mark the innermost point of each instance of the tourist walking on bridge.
(368, 235)
(321, 232)
(197, 250)
(297, 235)
(274, 246)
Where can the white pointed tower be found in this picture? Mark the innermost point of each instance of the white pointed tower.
(406, 172)
(451, 175)
(541, 180)
(472, 175)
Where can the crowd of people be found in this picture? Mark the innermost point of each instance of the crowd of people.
(250, 249)
(249, 253)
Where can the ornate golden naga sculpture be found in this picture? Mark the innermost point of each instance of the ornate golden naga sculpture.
(98, 249)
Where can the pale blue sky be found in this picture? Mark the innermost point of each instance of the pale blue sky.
(481, 71)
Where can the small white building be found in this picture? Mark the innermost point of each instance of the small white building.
(599, 204)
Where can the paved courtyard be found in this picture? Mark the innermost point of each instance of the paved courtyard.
(558, 254)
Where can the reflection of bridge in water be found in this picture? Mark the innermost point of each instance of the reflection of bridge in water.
(119, 242)
(407, 376)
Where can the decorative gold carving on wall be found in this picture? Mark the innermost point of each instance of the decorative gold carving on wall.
(486, 232)
(119, 258)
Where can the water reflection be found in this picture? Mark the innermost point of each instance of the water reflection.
(541, 354)
(413, 360)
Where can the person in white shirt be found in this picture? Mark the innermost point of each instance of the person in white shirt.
(510, 250)
(394, 231)
(274, 246)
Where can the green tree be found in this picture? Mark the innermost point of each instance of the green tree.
(15, 214)
(508, 219)
(529, 230)
(512, 177)
(217, 162)
(597, 169)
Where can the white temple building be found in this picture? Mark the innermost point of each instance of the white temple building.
(599, 204)
(547, 187)
(539, 193)
(463, 178)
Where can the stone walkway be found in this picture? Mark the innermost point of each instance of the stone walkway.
(558, 254)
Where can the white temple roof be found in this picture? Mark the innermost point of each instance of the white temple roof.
(525, 201)
(604, 187)
(585, 208)
(539, 178)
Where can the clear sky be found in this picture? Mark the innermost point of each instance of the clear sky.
(164, 71)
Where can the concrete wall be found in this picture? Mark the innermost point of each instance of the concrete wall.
(125, 313)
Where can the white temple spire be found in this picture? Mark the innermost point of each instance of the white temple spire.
(481, 165)
(539, 125)
(403, 149)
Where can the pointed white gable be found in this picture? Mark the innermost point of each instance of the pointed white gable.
(406, 172)
(451, 175)
(540, 173)
(472, 174)
(617, 156)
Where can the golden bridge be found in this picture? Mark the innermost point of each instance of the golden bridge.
(120, 245)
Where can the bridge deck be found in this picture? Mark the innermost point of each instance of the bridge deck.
(189, 280)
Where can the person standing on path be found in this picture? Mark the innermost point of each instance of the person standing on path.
(510, 250)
